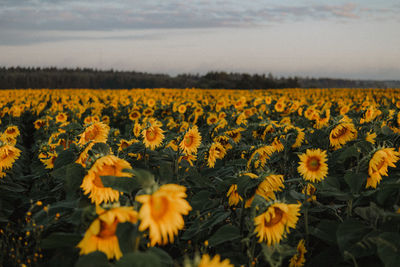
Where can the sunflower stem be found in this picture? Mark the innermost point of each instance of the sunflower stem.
(176, 167)
(305, 204)
(137, 243)
(349, 207)
(250, 252)
(144, 157)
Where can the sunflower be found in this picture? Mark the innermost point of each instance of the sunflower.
(39, 124)
(162, 212)
(274, 224)
(137, 128)
(206, 261)
(84, 155)
(267, 188)
(212, 119)
(371, 137)
(182, 109)
(134, 115)
(61, 117)
(172, 144)
(235, 134)
(151, 102)
(280, 106)
(277, 145)
(298, 259)
(108, 165)
(97, 132)
(123, 144)
(189, 158)
(379, 163)
(260, 156)
(48, 159)
(191, 141)
(153, 137)
(8, 155)
(310, 190)
(101, 234)
(233, 195)
(216, 151)
(11, 132)
(148, 112)
(342, 133)
(313, 166)
(224, 141)
(105, 119)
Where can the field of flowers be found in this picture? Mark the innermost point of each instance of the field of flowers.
(294, 177)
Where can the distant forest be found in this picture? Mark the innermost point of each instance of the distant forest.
(22, 77)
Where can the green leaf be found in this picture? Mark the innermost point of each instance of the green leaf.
(164, 257)
(139, 259)
(126, 233)
(325, 230)
(144, 177)
(59, 240)
(224, 234)
(355, 181)
(349, 232)
(122, 184)
(247, 185)
(349, 152)
(389, 249)
(64, 158)
(216, 218)
(200, 199)
(94, 259)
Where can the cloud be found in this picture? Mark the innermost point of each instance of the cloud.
(19, 19)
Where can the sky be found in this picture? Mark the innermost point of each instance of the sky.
(357, 39)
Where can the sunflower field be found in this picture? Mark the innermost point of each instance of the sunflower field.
(194, 178)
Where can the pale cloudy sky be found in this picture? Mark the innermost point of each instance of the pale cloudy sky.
(348, 39)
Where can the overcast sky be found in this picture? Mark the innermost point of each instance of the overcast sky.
(357, 39)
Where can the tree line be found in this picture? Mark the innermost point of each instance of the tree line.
(21, 77)
(36, 77)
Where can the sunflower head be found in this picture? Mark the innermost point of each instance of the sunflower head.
(379, 163)
(233, 195)
(8, 155)
(191, 141)
(207, 261)
(39, 124)
(313, 166)
(101, 234)
(61, 117)
(216, 151)
(92, 184)
(97, 132)
(342, 133)
(272, 225)
(153, 137)
(161, 213)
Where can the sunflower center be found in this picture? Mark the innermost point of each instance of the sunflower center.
(159, 207)
(150, 135)
(108, 230)
(313, 164)
(278, 214)
(124, 145)
(188, 140)
(10, 131)
(340, 133)
(91, 135)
